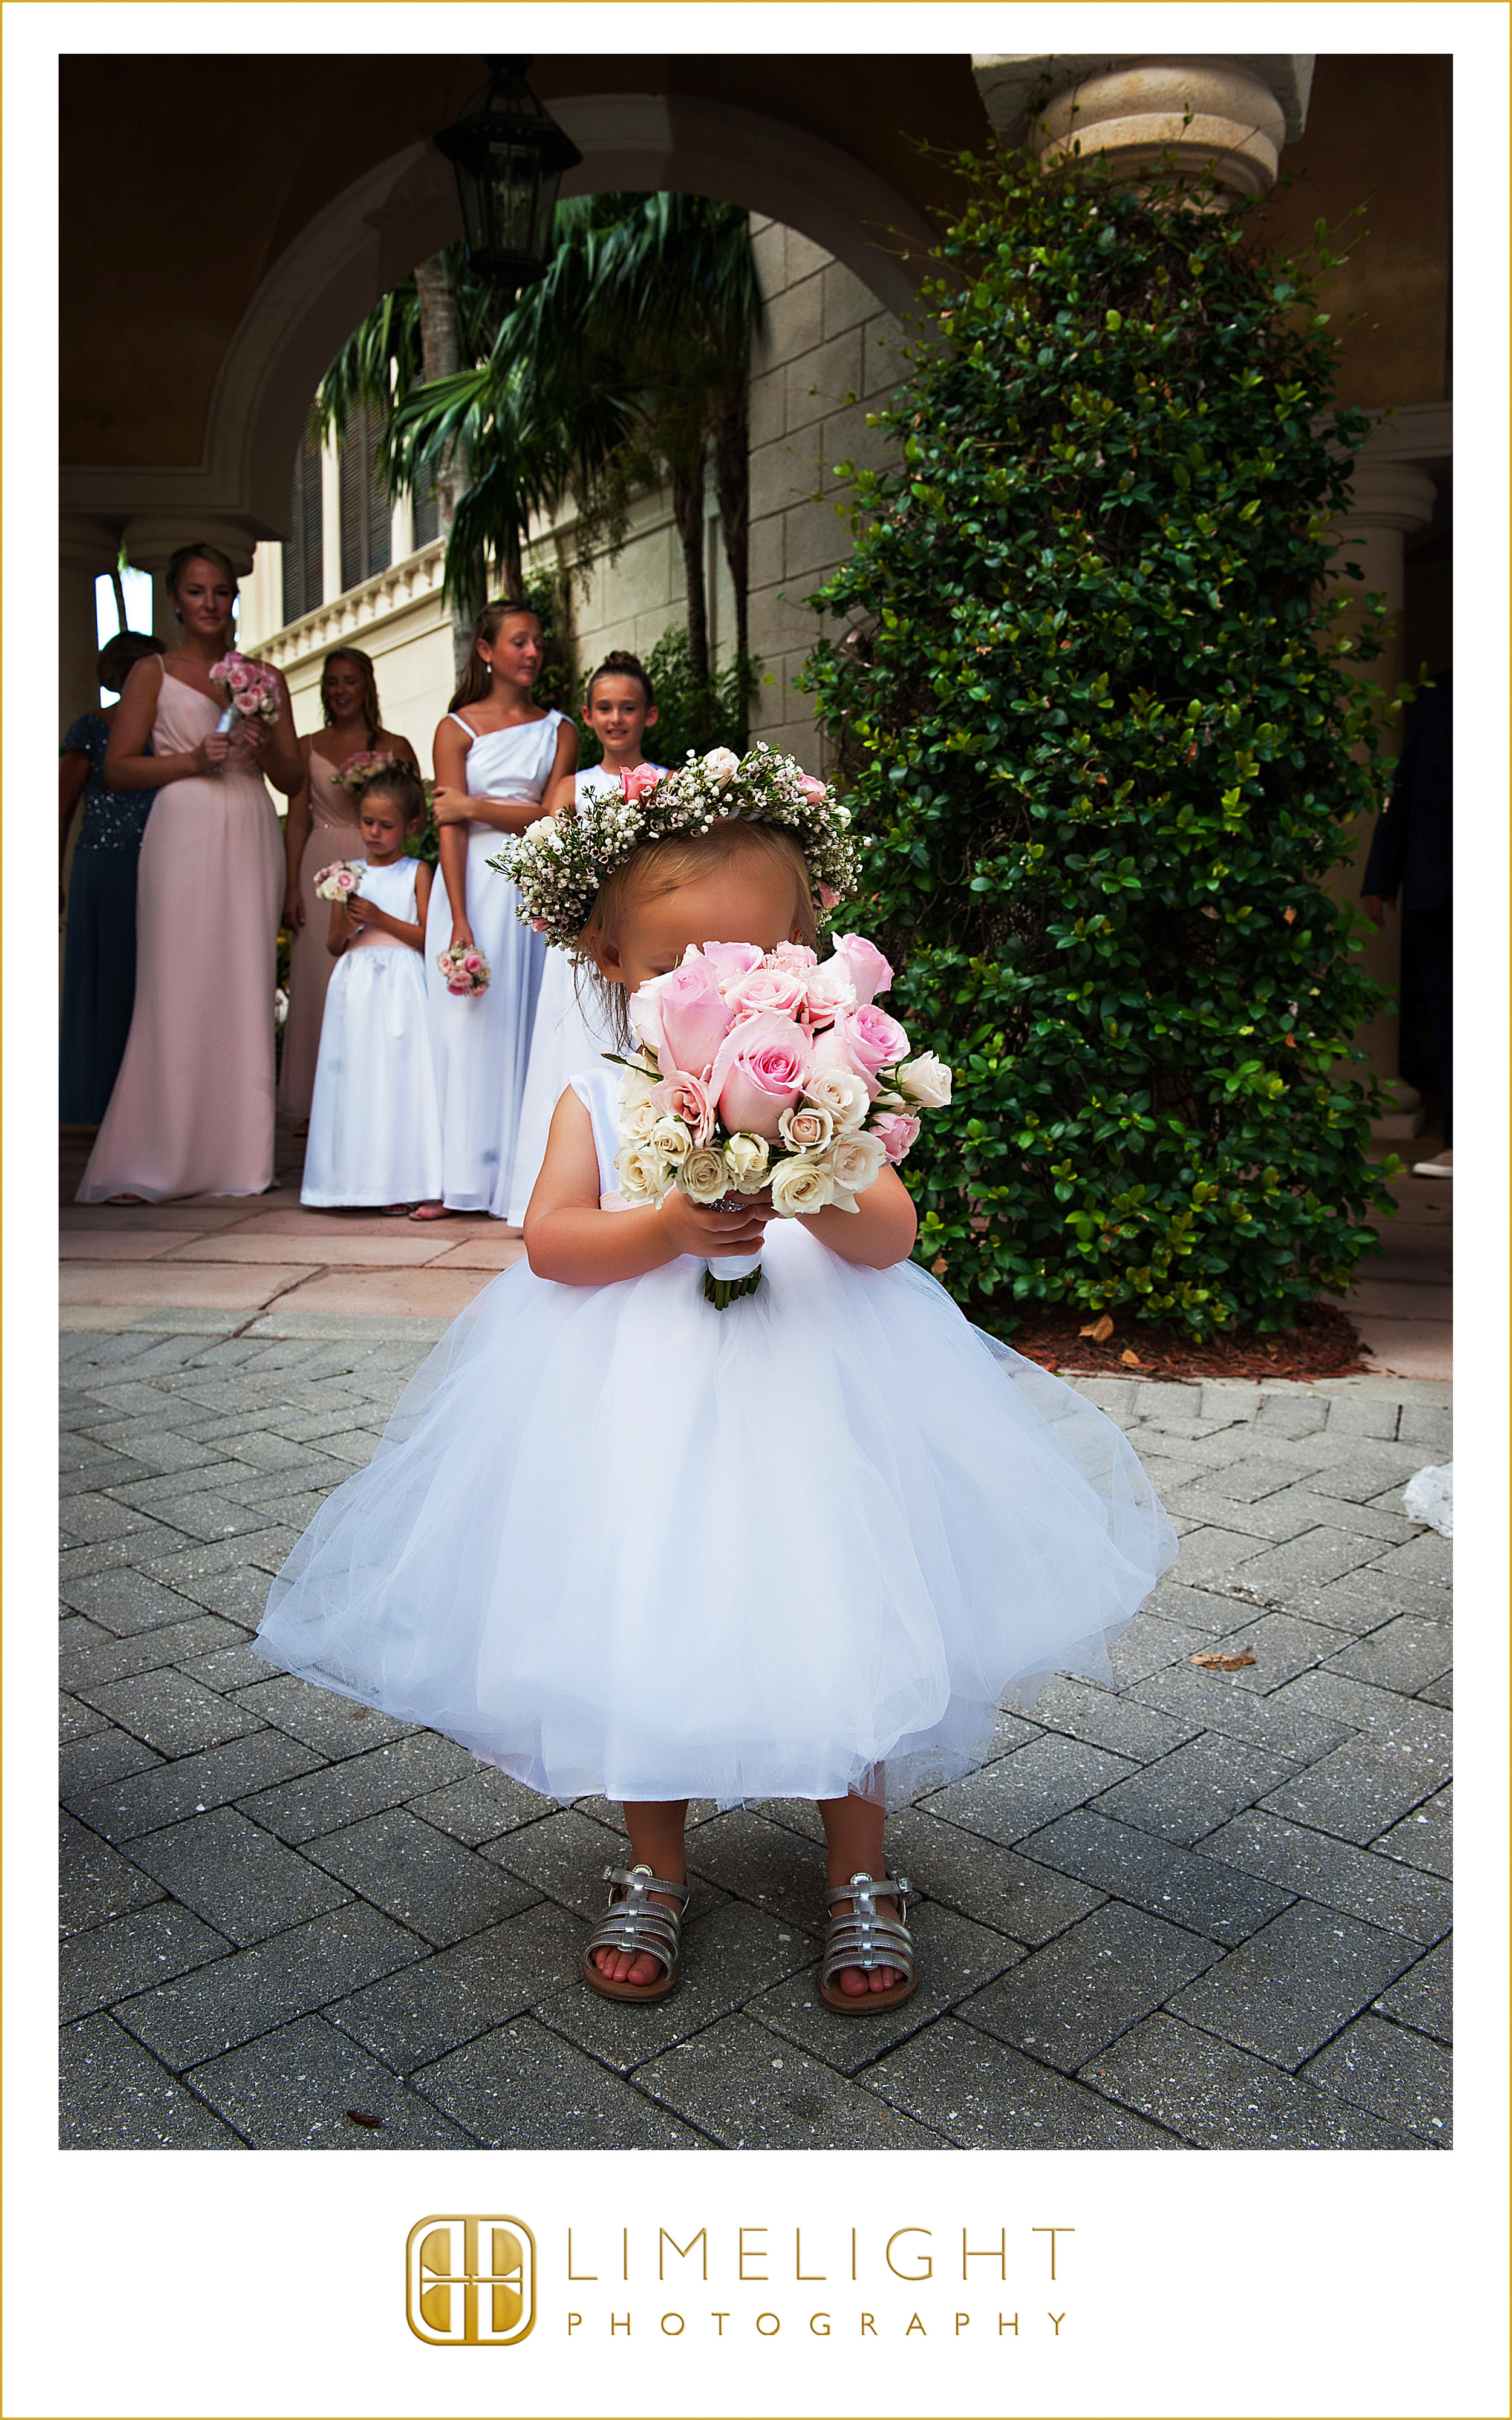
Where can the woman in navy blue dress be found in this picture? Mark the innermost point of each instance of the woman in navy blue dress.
(100, 953)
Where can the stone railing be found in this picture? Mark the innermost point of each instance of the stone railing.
(412, 581)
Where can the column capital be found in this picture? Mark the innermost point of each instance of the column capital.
(1389, 496)
(151, 540)
(1227, 114)
(87, 544)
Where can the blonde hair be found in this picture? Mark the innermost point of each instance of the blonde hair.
(372, 712)
(663, 865)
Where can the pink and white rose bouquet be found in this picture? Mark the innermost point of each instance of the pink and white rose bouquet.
(340, 880)
(768, 1071)
(250, 690)
(467, 971)
(355, 772)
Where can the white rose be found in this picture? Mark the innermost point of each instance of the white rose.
(747, 1157)
(644, 1175)
(637, 1085)
(801, 1186)
(855, 1161)
(722, 764)
(671, 1139)
(638, 1122)
(805, 1129)
(704, 1175)
(842, 1092)
(926, 1079)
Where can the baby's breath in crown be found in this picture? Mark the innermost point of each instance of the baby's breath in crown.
(560, 863)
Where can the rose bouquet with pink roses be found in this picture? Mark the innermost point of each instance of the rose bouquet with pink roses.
(340, 880)
(768, 1070)
(250, 690)
(355, 772)
(467, 971)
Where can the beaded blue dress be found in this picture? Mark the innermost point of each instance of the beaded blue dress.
(100, 951)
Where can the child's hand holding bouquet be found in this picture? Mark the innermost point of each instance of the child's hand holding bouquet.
(340, 880)
(466, 970)
(769, 1073)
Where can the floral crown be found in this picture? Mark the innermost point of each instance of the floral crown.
(560, 864)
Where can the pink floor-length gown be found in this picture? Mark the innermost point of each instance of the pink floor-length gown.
(192, 1108)
(334, 831)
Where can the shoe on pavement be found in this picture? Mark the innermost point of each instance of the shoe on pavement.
(1442, 1165)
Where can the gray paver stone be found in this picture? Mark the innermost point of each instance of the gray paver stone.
(564, 1855)
(129, 1952)
(142, 1802)
(1003, 2102)
(115, 2096)
(1357, 1792)
(242, 1997)
(481, 1806)
(1221, 2098)
(236, 1877)
(1287, 1991)
(1359, 1882)
(1195, 1608)
(227, 1669)
(1150, 1644)
(1289, 1416)
(744, 2086)
(1440, 1693)
(333, 1727)
(1080, 1993)
(1428, 1429)
(1027, 1789)
(523, 2088)
(342, 1795)
(1405, 1722)
(87, 1764)
(1423, 1996)
(1212, 1557)
(1209, 1700)
(992, 1886)
(290, 2090)
(1401, 1654)
(1176, 1884)
(1401, 2075)
(91, 1656)
(76, 1721)
(172, 1714)
(955, 1957)
(416, 2016)
(762, 1863)
(1120, 1725)
(1194, 1788)
(1425, 1837)
(442, 1890)
(94, 1883)
(726, 1958)
(1282, 1647)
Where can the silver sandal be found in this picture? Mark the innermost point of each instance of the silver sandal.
(864, 1939)
(636, 1925)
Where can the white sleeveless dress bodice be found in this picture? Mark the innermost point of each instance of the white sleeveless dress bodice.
(375, 1125)
(480, 1046)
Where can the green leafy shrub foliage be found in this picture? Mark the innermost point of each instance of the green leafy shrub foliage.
(1097, 720)
(690, 714)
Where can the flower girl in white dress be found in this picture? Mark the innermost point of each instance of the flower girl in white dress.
(616, 1540)
(375, 1127)
(572, 1026)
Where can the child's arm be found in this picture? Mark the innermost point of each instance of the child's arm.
(340, 929)
(452, 804)
(878, 1232)
(365, 912)
(569, 1238)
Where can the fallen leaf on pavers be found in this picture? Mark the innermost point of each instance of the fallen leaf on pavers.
(1224, 1663)
(1099, 1331)
(363, 2118)
(1130, 1360)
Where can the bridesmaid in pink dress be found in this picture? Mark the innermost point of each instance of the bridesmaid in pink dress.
(322, 826)
(192, 1108)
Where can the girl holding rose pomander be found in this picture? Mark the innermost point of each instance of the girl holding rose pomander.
(323, 825)
(192, 1108)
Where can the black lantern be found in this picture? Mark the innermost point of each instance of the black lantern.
(510, 156)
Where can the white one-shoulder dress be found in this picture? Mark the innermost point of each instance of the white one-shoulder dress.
(482, 1045)
(375, 1127)
(571, 1032)
(614, 1539)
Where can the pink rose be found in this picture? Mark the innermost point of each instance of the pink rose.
(830, 991)
(731, 959)
(815, 792)
(868, 969)
(239, 675)
(537, 924)
(768, 991)
(896, 1133)
(791, 954)
(865, 1039)
(694, 1018)
(688, 1097)
(763, 1079)
(472, 963)
(828, 898)
(638, 781)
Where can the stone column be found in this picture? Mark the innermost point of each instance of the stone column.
(1229, 115)
(1391, 501)
(87, 550)
(329, 523)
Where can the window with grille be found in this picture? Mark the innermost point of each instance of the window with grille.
(427, 522)
(303, 584)
(364, 507)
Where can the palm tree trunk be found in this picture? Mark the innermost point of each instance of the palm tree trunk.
(687, 511)
(440, 355)
(729, 426)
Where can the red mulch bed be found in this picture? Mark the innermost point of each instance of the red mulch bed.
(1324, 1344)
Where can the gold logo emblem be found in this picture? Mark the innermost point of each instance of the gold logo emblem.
(470, 2280)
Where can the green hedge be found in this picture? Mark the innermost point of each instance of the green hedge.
(1099, 721)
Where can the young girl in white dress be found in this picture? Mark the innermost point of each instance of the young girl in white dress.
(375, 1127)
(616, 1540)
(496, 755)
(572, 1030)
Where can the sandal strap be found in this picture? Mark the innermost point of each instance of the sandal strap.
(635, 1922)
(865, 1938)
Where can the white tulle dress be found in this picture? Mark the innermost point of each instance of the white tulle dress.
(569, 1035)
(482, 1045)
(614, 1539)
(375, 1126)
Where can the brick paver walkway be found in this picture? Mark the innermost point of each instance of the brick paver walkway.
(1195, 1909)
